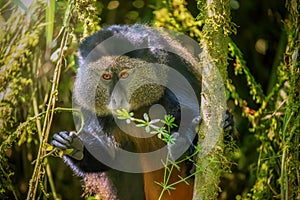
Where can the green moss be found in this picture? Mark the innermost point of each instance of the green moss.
(174, 15)
(88, 14)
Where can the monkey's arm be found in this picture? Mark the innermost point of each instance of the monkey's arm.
(79, 160)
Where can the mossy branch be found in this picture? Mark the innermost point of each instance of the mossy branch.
(214, 42)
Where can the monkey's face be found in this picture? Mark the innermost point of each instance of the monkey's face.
(119, 82)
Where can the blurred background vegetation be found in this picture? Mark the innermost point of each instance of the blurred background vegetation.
(38, 60)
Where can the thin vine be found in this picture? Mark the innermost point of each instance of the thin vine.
(163, 132)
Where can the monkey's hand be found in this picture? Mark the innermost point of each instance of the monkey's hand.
(227, 122)
(69, 140)
(196, 122)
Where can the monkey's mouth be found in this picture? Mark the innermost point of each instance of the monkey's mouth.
(118, 105)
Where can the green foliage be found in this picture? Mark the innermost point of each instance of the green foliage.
(16, 61)
(277, 171)
(162, 132)
(174, 15)
(256, 92)
(88, 16)
(275, 123)
(38, 43)
(169, 168)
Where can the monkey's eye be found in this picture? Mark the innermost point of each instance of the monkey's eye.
(106, 76)
(124, 74)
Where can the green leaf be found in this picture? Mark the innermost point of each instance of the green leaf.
(153, 132)
(153, 126)
(140, 125)
(50, 13)
(49, 147)
(68, 151)
(154, 121)
(147, 128)
(146, 117)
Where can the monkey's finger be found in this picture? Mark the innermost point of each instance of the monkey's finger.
(197, 120)
(58, 145)
(228, 128)
(227, 116)
(65, 135)
(61, 140)
(226, 124)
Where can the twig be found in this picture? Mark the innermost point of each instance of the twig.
(33, 185)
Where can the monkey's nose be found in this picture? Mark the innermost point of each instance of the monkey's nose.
(118, 98)
(118, 103)
(115, 104)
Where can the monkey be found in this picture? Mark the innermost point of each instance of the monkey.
(132, 68)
